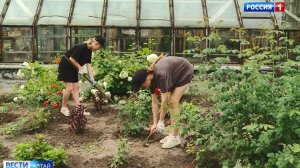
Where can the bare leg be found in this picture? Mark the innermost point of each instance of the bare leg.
(174, 106)
(66, 94)
(75, 94)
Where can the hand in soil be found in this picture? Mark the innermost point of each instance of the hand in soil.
(153, 129)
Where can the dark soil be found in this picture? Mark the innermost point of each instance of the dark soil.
(96, 146)
(8, 117)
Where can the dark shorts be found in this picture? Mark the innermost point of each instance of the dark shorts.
(67, 73)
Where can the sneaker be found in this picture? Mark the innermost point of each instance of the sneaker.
(86, 113)
(171, 142)
(65, 111)
(164, 140)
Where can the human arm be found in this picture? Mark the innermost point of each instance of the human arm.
(154, 105)
(90, 72)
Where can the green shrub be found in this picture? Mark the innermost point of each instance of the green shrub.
(259, 121)
(38, 149)
(114, 72)
(42, 87)
(33, 121)
(135, 114)
(121, 156)
(6, 107)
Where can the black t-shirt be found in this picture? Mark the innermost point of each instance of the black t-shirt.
(80, 53)
(66, 71)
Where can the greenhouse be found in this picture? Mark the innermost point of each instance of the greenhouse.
(150, 83)
(40, 29)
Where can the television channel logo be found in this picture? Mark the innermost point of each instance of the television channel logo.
(28, 164)
(264, 6)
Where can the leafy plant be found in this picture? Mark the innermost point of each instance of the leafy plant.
(114, 72)
(77, 119)
(135, 114)
(42, 86)
(39, 149)
(33, 121)
(258, 122)
(6, 107)
(121, 156)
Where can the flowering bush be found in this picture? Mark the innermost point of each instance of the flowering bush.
(114, 73)
(42, 86)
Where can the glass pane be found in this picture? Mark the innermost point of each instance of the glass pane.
(20, 12)
(155, 13)
(121, 13)
(51, 42)
(82, 34)
(121, 40)
(188, 13)
(222, 13)
(17, 44)
(87, 12)
(258, 23)
(292, 10)
(158, 40)
(55, 12)
(2, 4)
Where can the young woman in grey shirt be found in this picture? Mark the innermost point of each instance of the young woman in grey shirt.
(170, 76)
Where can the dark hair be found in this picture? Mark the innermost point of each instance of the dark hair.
(100, 40)
(139, 78)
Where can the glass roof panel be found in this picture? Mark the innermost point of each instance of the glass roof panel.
(155, 13)
(222, 13)
(87, 12)
(1, 4)
(55, 12)
(258, 23)
(188, 13)
(121, 13)
(20, 12)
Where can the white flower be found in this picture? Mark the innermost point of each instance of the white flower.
(129, 79)
(107, 94)
(105, 101)
(116, 98)
(123, 74)
(20, 73)
(15, 99)
(94, 91)
(25, 64)
(152, 58)
(121, 82)
(81, 98)
(21, 98)
(122, 102)
(104, 84)
(80, 81)
(42, 91)
(22, 87)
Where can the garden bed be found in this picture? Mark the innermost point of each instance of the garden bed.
(96, 147)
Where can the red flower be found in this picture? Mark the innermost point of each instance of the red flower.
(54, 105)
(46, 102)
(59, 92)
(157, 91)
(53, 86)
